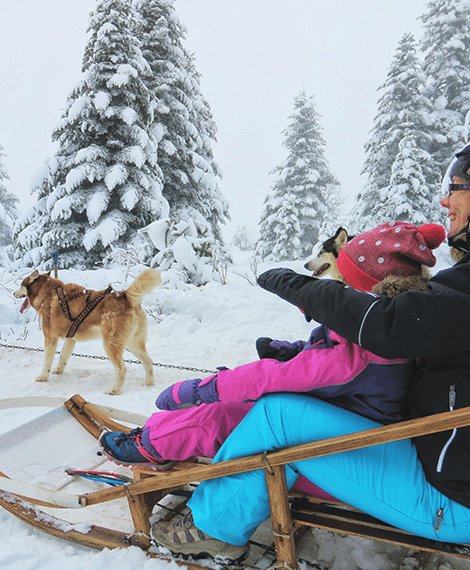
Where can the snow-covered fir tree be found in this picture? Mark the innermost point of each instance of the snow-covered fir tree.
(407, 198)
(295, 208)
(8, 204)
(185, 129)
(336, 216)
(104, 183)
(402, 111)
(244, 238)
(134, 151)
(446, 45)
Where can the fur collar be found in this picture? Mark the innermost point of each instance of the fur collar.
(393, 285)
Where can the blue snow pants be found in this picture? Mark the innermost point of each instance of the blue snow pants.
(386, 481)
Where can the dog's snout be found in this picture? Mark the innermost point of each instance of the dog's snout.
(20, 293)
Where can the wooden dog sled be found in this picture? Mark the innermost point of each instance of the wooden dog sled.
(46, 497)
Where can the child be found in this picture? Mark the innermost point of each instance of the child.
(388, 260)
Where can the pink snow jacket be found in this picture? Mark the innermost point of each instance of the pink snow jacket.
(328, 367)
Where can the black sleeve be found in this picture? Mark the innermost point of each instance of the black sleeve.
(411, 325)
(322, 300)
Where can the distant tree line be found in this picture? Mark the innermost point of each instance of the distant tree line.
(8, 205)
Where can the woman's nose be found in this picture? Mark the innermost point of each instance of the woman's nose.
(445, 202)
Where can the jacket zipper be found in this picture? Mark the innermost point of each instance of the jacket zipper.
(439, 519)
(452, 396)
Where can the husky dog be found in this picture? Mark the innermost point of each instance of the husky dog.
(324, 263)
(70, 312)
(326, 253)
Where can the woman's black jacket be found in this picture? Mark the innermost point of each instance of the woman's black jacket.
(432, 326)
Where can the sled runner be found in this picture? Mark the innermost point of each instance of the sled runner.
(47, 463)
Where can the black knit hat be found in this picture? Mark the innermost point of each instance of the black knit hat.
(461, 166)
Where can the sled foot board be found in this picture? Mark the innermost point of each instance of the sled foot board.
(357, 523)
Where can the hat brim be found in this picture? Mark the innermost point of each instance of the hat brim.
(353, 275)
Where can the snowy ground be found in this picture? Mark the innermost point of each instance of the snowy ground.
(202, 328)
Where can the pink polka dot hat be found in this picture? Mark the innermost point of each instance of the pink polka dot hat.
(393, 248)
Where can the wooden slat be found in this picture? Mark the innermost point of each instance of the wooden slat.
(284, 539)
(360, 524)
(83, 419)
(97, 537)
(91, 418)
(384, 434)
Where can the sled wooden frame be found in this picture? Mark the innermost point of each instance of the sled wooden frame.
(289, 515)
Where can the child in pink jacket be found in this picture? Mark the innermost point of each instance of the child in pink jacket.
(326, 366)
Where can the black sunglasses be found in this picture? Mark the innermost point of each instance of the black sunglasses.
(457, 187)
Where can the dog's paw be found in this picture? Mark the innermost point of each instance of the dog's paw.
(149, 382)
(41, 378)
(57, 370)
(113, 392)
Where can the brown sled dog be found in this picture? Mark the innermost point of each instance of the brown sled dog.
(116, 318)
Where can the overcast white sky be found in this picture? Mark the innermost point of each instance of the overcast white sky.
(254, 57)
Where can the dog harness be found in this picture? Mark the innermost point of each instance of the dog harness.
(64, 303)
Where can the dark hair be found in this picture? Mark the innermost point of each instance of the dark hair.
(461, 166)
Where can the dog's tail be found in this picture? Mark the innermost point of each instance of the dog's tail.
(144, 283)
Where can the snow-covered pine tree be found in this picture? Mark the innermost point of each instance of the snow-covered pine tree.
(295, 208)
(408, 198)
(210, 201)
(446, 45)
(8, 205)
(402, 110)
(244, 238)
(185, 129)
(104, 183)
(336, 216)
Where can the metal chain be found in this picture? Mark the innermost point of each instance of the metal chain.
(158, 364)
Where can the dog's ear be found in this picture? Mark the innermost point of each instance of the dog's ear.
(341, 239)
(48, 273)
(34, 275)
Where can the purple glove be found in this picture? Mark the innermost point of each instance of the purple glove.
(280, 350)
(188, 393)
